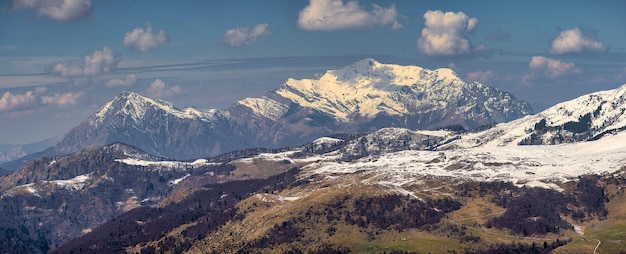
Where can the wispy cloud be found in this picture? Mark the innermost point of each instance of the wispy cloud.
(331, 15)
(12, 81)
(93, 64)
(61, 10)
(129, 80)
(242, 36)
(158, 89)
(573, 41)
(620, 76)
(499, 35)
(480, 76)
(446, 35)
(141, 40)
(543, 68)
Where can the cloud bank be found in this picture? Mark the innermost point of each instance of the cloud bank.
(63, 100)
(93, 64)
(573, 41)
(140, 40)
(10, 101)
(33, 99)
(446, 35)
(60, 10)
(242, 36)
(332, 15)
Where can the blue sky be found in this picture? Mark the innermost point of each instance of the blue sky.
(60, 60)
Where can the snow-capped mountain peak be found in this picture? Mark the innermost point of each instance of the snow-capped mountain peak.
(368, 88)
(136, 106)
(370, 71)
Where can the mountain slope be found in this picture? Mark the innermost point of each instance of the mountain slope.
(361, 97)
(395, 186)
(588, 117)
(52, 200)
(4, 172)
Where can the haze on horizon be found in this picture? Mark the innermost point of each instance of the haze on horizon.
(60, 61)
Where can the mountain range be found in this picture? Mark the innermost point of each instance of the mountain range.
(552, 181)
(362, 97)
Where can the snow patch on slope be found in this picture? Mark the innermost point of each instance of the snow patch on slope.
(326, 140)
(542, 166)
(178, 180)
(171, 165)
(265, 107)
(76, 183)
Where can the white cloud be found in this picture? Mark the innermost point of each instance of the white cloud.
(331, 15)
(60, 10)
(141, 40)
(129, 80)
(573, 41)
(158, 89)
(33, 99)
(445, 35)
(480, 76)
(63, 100)
(551, 69)
(10, 101)
(242, 36)
(98, 62)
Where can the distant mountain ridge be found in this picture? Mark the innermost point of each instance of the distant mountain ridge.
(11, 152)
(359, 98)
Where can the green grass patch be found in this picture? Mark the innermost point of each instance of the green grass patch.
(613, 238)
(580, 245)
